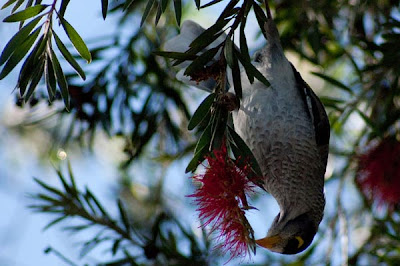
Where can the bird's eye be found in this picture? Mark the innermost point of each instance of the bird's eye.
(301, 241)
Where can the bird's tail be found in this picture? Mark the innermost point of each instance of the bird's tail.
(190, 30)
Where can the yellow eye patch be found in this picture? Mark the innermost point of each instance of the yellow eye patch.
(301, 241)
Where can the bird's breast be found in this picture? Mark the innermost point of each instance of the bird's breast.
(280, 134)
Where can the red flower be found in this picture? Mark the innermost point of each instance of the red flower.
(222, 200)
(379, 173)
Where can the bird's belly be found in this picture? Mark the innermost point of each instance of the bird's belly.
(280, 134)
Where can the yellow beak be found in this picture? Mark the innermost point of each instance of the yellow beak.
(269, 242)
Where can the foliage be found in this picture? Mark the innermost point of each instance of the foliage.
(134, 95)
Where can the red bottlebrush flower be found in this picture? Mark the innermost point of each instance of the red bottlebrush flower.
(378, 173)
(222, 200)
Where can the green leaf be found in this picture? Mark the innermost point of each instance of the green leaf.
(115, 246)
(260, 16)
(104, 8)
(127, 4)
(25, 14)
(228, 52)
(201, 111)
(210, 3)
(123, 215)
(178, 10)
(334, 82)
(50, 79)
(76, 40)
(208, 36)
(49, 188)
(164, 4)
(245, 151)
(63, 7)
(196, 160)
(204, 140)
(17, 39)
(19, 53)
(17, 5)
(146, 11)
(200, 62)
(236, 76)
(252, 70)
(197, 3)
(219, 128)
(176, 55)
(55, 221)
(67, 55)
(7, 4)
(36, 77)
(61, 81)
(25, 73)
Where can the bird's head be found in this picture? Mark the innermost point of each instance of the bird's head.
(290, 236)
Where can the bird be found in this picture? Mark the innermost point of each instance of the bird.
(286, 127)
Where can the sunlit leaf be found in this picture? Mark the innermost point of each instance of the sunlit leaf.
(67, 55)
(19, 53)
(17, 40)
(76, 40)
(25, 14)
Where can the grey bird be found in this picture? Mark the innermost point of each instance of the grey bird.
(286, 127)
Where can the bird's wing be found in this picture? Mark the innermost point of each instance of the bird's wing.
(318, 116)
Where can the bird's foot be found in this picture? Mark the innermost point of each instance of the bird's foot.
(229, 101)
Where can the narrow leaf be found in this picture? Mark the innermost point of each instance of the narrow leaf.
(146, 11)
(210, 3)
(197, 3)
(63, 7)
(55, 221)
(50, 79)
(334, 82)
(36, 77)
(178, 10)
(17, 39)
(7, 4)
(127, 4)
(61, 81)
(17, 5)
(19, 53)
(245, 151)
(175, 55)
(49, 188)
(123, 215)
(204, 140)
(76, 40)
(196, 160)
(201, 111)
(67, 55)
(200, 62)
(104, 8)
(252, 70)
(25, 14)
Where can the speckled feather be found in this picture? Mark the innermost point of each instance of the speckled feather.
(277, 123)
